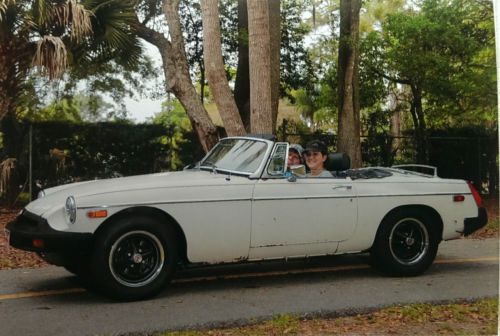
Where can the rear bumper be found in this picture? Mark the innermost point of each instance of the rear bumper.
(475, 223)
(28, 227)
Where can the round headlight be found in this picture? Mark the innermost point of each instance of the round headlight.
(41, 194)
(70, 209)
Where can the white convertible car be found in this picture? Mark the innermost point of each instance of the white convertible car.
(241, 203)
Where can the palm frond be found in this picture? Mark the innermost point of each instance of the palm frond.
(50, 56)
(4, 4)
(6, 168)
(74, 15)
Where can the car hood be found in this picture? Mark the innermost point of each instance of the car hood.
(83, 190)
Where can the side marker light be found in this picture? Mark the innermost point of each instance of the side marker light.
(97, 214)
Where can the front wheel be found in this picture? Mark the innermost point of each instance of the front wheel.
(406, 244)
(134, 258)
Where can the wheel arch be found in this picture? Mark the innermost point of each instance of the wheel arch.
(156, 213)
(424, 209)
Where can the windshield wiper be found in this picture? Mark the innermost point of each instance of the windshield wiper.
(194, 165)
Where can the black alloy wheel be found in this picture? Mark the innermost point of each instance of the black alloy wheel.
(134, 257)
(406, 243)
(409, 241)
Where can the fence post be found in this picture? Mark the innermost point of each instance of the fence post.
(478, 176)
(284, 127)
(30, 153)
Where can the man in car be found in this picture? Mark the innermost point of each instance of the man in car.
(295, 155)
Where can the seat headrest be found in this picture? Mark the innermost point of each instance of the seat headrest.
(337, 162)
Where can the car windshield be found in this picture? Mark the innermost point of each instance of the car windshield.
(236, 155)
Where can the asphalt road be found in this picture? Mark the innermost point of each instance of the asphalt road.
(49, 301)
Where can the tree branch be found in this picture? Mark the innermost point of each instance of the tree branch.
(393, 79)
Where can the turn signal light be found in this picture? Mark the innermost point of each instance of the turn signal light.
(458, 198)
(97, 214)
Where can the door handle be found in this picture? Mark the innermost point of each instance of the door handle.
(348, 187)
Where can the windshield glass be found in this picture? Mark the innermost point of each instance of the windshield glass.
(237, 155)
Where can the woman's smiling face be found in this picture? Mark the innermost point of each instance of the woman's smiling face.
(315, 160)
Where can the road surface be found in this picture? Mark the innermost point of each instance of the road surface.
(50, 301)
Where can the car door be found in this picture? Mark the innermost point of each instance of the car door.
(308, 216)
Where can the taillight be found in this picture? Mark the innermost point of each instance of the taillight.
(475, 194)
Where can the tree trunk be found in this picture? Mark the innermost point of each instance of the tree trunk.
(492, 156)
(176, 70)
(420, 125)
(202, 83)
(275, 44)
(242, 83)
(261, 115)
(9, 87)
(214, 67)
(349, 123)
(13, 148)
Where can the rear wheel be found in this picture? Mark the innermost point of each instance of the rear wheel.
(406, 243)
(134, 258)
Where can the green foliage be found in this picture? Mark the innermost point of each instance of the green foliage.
(109, 61)
(74, 108)
(285, 322)
(296, 69)
(62, 110)
(445, 48)
(469, 153)
(466, 152)
(378, 147)
(65, 151)
(173, 117)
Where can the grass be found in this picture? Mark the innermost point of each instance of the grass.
(5, 263)
(493, 223)
(462, 318)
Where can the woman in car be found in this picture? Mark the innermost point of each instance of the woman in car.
(315, 156)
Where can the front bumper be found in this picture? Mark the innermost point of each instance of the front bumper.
(32, 233)
(475, 223)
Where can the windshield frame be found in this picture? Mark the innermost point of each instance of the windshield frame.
(257, 173)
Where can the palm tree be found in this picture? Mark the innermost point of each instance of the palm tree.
(32, 35)
(50, 36)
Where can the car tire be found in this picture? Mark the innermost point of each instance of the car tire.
(134, 258)
(406, 243)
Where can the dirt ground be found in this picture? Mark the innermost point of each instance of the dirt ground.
(14, 258)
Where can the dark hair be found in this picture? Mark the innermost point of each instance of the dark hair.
(316, 146)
